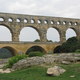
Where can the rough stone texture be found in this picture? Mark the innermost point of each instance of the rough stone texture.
(66, 62)
(16, 22)
(55, 71)
(65, 58)
(47, 59)
(28, 62)
(5, 71)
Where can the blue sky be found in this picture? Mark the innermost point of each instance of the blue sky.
(57, 8)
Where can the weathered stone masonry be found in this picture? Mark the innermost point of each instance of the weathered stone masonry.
(15, 23)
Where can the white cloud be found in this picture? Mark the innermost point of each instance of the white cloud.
(65, 8)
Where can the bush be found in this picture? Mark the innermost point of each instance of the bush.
(15, 59)
(77, 51)
(37, 40)
(71, 45)
(72, 40)
(49, 41)
(36, 53)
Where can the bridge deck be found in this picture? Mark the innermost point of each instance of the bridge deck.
(24, 42)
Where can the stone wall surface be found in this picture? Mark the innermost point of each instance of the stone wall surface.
(47, 59)
(16, 22)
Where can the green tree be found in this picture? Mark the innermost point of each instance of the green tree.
(71, 45)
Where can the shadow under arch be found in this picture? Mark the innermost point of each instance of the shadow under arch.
(8, 27)
(29, 26)
(11, 49)
(35, 48)
(57, 30)
(57, 49)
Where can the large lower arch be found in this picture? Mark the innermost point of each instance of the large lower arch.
(6, 52)
(57, 49)
(71, 32)
(29, 34)
(53, 34)
(5, 33)
(12, 50)
(35, 48)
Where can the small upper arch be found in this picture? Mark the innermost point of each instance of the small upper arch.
(25, 20)
(10, 20)
(39, 21)
(2, 19)
(45, 21)
(32, 21)
(18, 20)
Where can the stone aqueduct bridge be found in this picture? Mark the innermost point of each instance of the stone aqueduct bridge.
(15, 23)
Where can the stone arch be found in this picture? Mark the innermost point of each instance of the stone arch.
(39, 21)
(57, 49)
(25, 20)
(18, 20)
(11, 49)
(2, 19)
(35, 48)
(10, 19)
(7, 51)
(71, 32)
(32, 21)
(45, 21)
(52, 22)
(33, 28)
(8, 29)
(57, 31)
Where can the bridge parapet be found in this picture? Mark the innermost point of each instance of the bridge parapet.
(22, 42)
(33, 19)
